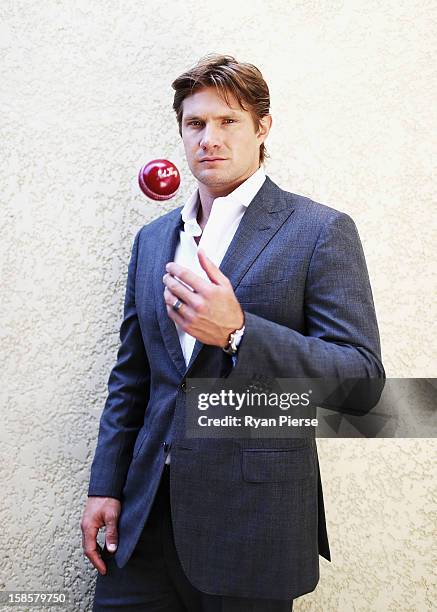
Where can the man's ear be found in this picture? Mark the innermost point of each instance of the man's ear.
(265, 123)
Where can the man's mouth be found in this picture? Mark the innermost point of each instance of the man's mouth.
(212, 159)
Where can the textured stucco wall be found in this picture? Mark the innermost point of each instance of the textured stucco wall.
(86, 99)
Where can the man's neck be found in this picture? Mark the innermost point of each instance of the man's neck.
(207, 195)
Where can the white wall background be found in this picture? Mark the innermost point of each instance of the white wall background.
(86, 100)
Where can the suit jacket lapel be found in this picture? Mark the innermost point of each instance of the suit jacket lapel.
(164, 253)
(262, 219)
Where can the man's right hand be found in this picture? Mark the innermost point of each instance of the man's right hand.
(100, 512)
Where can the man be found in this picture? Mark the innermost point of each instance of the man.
(245, 280)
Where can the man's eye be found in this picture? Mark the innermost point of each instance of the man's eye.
(230, 120)
(195, 123)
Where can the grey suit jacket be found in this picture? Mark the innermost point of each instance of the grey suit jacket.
(248, 514)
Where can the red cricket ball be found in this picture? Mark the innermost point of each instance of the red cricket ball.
(159, 179)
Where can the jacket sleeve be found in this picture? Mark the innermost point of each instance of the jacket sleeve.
(128, 395)
(341, 339)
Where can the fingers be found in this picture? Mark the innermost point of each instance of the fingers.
(198, 284)
(188, 277)
(184, 284)
(111, 535)
(178, 290)
(100, 512)
(180, 316)
(215, 275)
(90, 547)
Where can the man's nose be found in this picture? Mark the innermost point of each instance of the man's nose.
(210, 137)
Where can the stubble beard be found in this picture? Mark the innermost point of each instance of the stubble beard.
(214, 179)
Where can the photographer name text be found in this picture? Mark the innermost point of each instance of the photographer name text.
(256, 423)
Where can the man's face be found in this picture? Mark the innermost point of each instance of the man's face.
(221, 142)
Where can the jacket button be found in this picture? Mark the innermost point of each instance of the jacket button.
(184, 386)
(165, 446)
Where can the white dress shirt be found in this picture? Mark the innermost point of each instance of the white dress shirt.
(223, 221)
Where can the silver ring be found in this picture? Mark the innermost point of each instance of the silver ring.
(177, 305)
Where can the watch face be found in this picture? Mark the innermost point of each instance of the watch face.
(231, 349)
(233, 341)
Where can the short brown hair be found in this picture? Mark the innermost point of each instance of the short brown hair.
(227, 74)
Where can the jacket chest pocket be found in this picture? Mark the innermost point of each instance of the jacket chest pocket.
(277, 465)
(268, 292)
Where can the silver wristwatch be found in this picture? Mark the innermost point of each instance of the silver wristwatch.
(233, 341)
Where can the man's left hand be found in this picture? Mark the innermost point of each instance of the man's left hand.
(211, 311)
